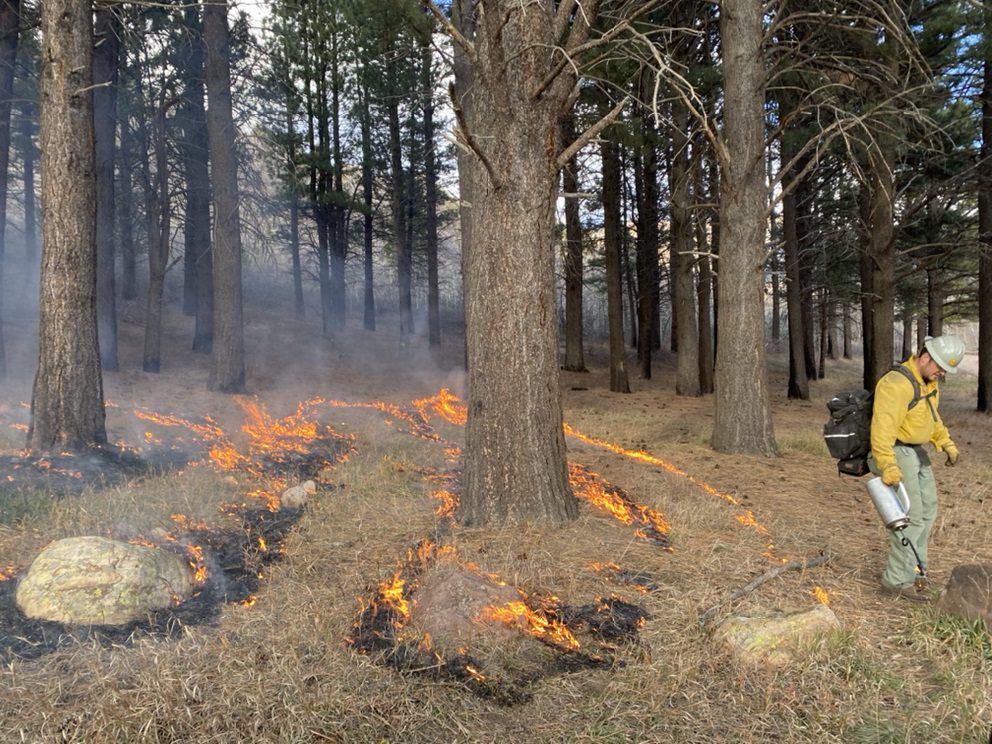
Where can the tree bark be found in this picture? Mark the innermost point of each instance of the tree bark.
(936, 294)
(798, 378)
(742, 422)
(365, 119)
(881, 240)
(984, 398)
(67, 410)
(158, 248)
(227, 370)
(515, 469)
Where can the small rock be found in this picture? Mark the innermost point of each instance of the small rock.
(774, 639)
(296, 497)
(968, 593)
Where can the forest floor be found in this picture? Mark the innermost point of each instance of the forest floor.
(280, 668)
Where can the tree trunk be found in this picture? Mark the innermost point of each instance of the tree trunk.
(430, 196)
(935, 300)
(195, 147)
(10, 17)
(867, 282)
(683, 284)
(611, 241)
(645, 168)
(846, 332)
(881, 163)
(337, 232)
(227, 371)
(67, 410)
(158, 250)
(365, 117)
(515, 469)
(574, 356)
(798, 379)
(742, 422)
(984, 400)
(907, 336)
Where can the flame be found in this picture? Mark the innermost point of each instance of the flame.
(445, 404)
(391, 593)
(821, 594)
(261, 544)
(250, 601)
(7, 573)
(196, 563)
(518, 614)
(591, 487)
(448, 503)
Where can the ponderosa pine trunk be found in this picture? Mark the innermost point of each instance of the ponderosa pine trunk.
(515, 468)
(742, 420)
(227, 371)
(368, 196)
(106, 59)
(798, 386)
(881, 239)
(158, 248)
(67, 411)
(430, 192)
(984, 399)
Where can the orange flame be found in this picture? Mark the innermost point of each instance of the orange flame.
(821, 594)
(591, 487)
(518, 614)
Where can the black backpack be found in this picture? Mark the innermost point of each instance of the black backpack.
(848, 432)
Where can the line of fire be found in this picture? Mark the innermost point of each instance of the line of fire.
(406, 620)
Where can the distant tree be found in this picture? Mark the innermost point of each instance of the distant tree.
(574, 354)
(198, 285)
(985, 224)
(611, 244)
(227, 370)
(67, 409)
(10, 19)
(106, 58)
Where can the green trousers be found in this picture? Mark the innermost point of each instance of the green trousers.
(917, 477)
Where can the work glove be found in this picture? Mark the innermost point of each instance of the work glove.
(952, 454)
(891, 475)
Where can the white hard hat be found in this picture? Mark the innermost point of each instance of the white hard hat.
(947, 351)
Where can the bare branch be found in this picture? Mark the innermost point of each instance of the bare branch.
(450, 30)
(587, 136)
(469, 140)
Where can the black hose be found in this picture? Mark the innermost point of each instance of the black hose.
(906, 541)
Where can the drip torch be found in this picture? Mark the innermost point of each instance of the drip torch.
(892, 504)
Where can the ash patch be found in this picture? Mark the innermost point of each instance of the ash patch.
(438, 618)
(70, 474)
(234, 558)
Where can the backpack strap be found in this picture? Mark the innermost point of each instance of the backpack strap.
(904, 371)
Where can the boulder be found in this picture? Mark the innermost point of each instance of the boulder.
(968, 593)
(773, 640)
(296, 497)
(95, 581)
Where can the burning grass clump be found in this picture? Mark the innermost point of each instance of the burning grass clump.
(446, 618)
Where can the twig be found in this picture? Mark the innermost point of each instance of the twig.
(824, 557)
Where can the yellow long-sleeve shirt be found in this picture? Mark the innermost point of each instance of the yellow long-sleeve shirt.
(891, 420)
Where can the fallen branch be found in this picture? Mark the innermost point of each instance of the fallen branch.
(796, 565)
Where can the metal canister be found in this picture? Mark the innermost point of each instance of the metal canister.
(891, 502)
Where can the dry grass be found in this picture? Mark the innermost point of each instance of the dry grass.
(282, 671)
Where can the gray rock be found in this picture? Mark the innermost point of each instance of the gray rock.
(296, 497)
(95, 581)
(968, 593)
(773, 640)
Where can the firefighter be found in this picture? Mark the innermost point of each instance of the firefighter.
(898, 432)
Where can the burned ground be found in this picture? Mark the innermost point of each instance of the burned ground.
(286, 668)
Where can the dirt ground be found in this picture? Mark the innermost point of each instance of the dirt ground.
(732, 518)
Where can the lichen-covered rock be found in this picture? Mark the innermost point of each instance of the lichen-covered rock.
(773, 640)
(968, 593)
(96, 581)
(296, 496)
